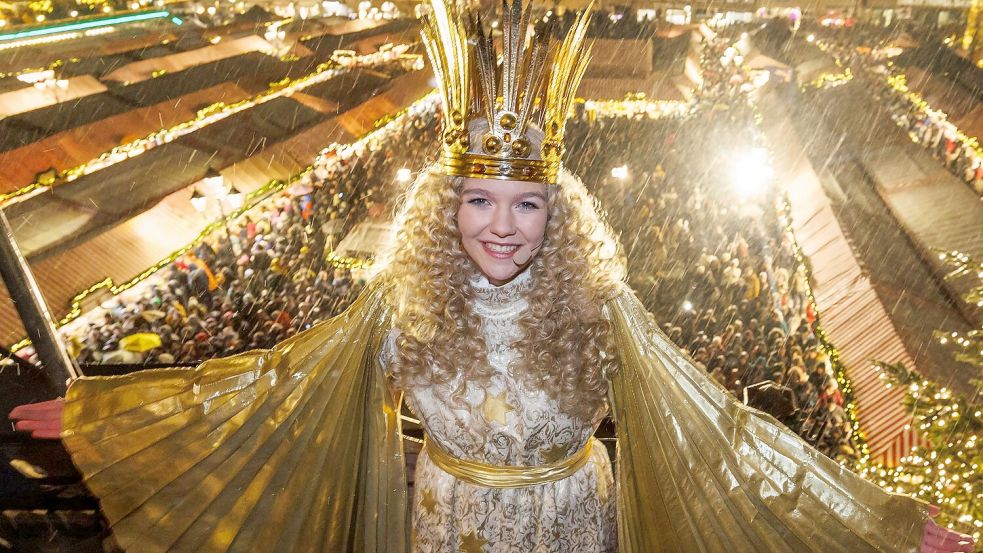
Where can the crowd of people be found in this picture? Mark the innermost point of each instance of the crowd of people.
(939, 137)
(722, 278)
(269, 278)
(717, 268)
(863, 52)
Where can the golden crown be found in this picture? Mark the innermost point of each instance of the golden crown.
(535, 85)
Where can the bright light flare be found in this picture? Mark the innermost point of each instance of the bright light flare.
(620, 172)
(752, 173)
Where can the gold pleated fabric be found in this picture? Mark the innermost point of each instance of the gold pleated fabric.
(700, 472)
(296, 449)
(293, 449)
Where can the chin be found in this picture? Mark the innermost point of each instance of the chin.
(499, 272)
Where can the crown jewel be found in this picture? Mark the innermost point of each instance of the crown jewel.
(531, 85)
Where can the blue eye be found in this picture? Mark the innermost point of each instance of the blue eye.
(477, 201)
(528, 205)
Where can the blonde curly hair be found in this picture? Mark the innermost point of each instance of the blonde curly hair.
(566, 347)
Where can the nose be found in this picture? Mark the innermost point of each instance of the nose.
(503, 221)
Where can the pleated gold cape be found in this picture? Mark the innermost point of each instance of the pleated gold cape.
(297, 449)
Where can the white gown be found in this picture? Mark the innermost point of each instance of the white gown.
(507, 424)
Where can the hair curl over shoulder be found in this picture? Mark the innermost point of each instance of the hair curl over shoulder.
(566, 347)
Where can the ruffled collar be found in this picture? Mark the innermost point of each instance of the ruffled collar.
(491, 300)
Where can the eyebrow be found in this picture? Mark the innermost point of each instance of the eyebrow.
(487, 193)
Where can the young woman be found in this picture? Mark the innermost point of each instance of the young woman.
(502, 317)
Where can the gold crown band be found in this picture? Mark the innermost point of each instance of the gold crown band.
(488, 167)
(505, 476)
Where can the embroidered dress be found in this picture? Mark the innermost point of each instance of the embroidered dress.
(505, 423)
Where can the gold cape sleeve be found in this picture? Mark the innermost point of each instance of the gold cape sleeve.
(700, 471)
(292, 449)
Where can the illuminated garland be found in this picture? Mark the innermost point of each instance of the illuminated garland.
(831, 80)
(636, 104)
(207, 116)
(948, 471)
(342, 262)
(50, 67)
(952, 425)
(898, 82)
(839, 371)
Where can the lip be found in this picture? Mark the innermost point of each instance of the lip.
(499, 255)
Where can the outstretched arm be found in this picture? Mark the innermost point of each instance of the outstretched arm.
(700, 471)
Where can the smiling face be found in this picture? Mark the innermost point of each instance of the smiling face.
(501, 221)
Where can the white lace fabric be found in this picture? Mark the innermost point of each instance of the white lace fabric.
(505, 423)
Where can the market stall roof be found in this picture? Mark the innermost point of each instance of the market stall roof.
(348, 87)
(876, 298)
(323, 42)
(78, 146)
(667, 75)
(812, 69)
(119, 254)
(109, 196)
(173, 63)
(247, 132)
(25, 128)
(761, 61)
(29, 97)
(908, 180)
(962, 106)
(255, 14)
(130, 246)
(251, 71)
(124, 39)
(902, 41)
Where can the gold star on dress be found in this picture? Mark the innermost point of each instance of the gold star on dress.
(556, 453)
(428, 502)
(472, 542)
(495, 407)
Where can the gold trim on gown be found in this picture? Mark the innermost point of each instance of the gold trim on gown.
(297, 449)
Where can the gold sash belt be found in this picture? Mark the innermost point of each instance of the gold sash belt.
(505, 476)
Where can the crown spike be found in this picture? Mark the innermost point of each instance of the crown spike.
(537, 84)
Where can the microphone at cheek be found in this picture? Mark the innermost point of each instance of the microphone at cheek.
(525, 253)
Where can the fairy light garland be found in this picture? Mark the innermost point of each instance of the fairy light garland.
(634, 105)
(948, 472)
(832, 354)
(898, 83)
(831, 80)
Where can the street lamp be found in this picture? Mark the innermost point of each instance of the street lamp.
(214, 181)
(752, 173)
(198, 201)
(215, 185)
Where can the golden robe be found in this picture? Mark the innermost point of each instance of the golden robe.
(296, 449)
